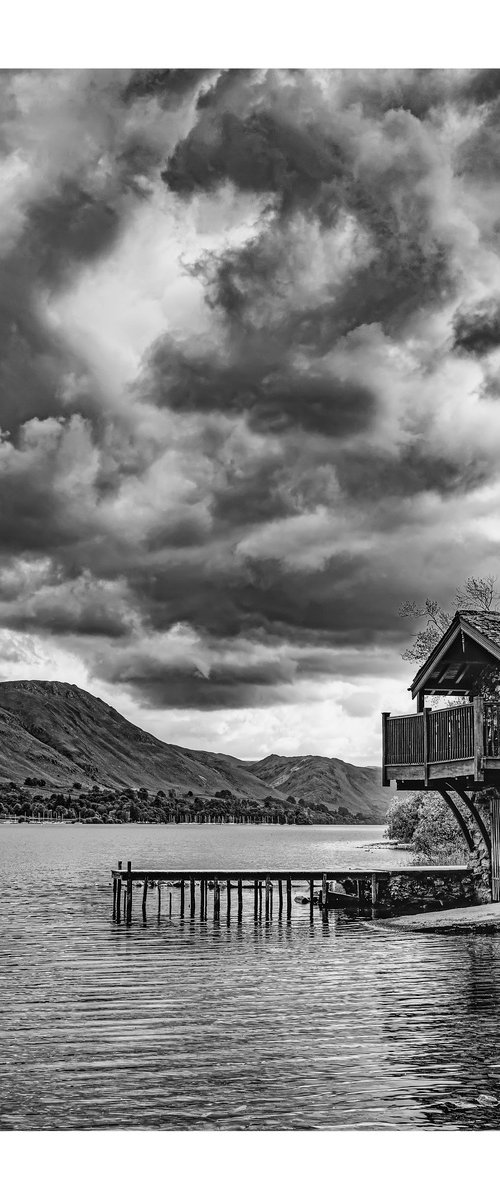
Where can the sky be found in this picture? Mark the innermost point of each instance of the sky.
(249, 389)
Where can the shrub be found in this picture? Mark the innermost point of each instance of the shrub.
(437, 832)
(403, 817)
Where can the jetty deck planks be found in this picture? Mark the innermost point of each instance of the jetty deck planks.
(151, 878)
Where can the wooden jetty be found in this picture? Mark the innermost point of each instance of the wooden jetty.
(197, 885)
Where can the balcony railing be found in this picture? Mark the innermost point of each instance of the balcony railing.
(463, 735)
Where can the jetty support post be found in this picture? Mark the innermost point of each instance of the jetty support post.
(228, 905)
(216, 899)
(129, 892)
(324, 898)
(271, 890)
(182, 897)
(159, 899)
(119, 895)
(170, 903)
(288, 898)
(191, 896)
(260, 899)
(144, 898)
(255, 899)
(240, 899)
(114, 899)
(374, 889)
(280, 899)
(311, 899)
(268, 887)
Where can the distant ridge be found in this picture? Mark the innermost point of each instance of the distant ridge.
(63, 733)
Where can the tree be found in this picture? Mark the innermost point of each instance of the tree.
(425, 820)
(476, 594)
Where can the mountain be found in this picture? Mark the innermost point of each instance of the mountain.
(329, 780)
(62, 733)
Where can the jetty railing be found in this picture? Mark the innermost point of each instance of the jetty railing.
(457, 740)
(194, 887)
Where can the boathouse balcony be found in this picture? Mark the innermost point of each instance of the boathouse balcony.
(461, 741)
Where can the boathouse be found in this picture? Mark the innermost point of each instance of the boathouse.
(454, 748)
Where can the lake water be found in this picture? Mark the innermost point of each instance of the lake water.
(196, 1025)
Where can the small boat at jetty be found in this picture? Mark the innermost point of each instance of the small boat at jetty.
(337, 897)
(339, 900)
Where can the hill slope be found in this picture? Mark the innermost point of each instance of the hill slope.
(329, 780)
(64, 734)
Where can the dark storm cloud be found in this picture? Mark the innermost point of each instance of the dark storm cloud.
(263, 478)
(478, 332)
(414, 91)
(164, 685)
(258, 154)
(369, 476)
(70, 227)
(482, 87)
(258, 683)
(306, 168)
(264, 597)
(273, 400)
(168, 86)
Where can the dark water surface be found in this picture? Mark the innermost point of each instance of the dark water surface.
(189, 1025)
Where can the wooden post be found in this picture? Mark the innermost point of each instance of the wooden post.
(271, 901)
(288, 898)
(240, 899)
(114, 899)
(144, 897)
(426, 745)
(159, 899)
(478, 738)
(191, 897)
(495, 846)
(216, 899)
(119, 896)
(280, 899)
(268, 885)
(129, 892)
(374, 889)
(255, 899)
(385, 718)
(260, 899)
(311, 899)
(324, 891)
(182, 897)
(170, 903)
(228, 894)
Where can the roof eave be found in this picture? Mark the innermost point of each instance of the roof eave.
(458, 623)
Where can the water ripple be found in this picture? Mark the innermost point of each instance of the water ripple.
(183, 1024)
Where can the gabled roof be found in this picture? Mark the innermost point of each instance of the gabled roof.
(482, 627)
(487, 623)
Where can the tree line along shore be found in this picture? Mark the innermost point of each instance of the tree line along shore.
(32, 800)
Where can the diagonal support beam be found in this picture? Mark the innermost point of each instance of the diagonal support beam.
(441, 788)
(476, 816)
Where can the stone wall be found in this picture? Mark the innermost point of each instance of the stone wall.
(479, 857)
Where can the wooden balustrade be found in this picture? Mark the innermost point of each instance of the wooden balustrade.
(462, 733)
(405, 739)
(492, 730)
(451, 733)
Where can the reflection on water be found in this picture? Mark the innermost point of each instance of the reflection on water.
(190, 1025)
